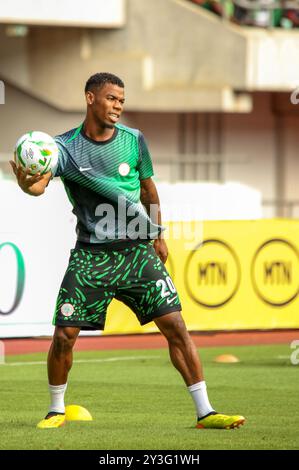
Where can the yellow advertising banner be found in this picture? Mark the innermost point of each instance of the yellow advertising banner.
(232, 275)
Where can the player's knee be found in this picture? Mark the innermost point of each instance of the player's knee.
(62, 344)
(179, 338)
(175, 330)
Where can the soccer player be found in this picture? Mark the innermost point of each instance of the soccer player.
(120, 251)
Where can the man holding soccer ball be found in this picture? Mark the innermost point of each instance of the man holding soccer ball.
(120, 251)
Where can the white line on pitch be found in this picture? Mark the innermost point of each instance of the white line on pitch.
(83, 361)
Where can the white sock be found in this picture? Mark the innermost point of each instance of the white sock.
(199, 394)
(57, 398)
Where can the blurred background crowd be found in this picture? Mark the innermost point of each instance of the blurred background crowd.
(258, 13)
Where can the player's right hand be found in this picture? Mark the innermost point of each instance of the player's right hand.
(25, 181)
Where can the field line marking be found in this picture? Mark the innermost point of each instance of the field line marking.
(84, 361)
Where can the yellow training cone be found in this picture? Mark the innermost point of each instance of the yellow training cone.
(77, 413)
(227, 358)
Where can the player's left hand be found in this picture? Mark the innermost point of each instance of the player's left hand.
(161, 249)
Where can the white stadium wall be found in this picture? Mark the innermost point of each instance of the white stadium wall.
(35, 237)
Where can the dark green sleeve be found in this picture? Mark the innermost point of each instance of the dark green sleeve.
(145, 165)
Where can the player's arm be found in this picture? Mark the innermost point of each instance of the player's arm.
(149, 197)
(34, 185)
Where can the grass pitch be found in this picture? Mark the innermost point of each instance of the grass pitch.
(139, 401)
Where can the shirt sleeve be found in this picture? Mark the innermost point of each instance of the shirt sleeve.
(145, 165)
(62, 158)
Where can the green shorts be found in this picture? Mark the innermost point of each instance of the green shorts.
(133, 274)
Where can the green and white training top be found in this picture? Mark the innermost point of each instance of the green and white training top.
(102, 180)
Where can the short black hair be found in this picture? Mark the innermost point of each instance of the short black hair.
(100, 79)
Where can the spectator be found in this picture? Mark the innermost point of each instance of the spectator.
(263, 14)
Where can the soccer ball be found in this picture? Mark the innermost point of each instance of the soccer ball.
(37, 151)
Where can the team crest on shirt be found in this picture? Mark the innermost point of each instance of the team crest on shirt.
(124, 169)
(67, 310)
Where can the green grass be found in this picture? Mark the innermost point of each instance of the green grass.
(142, 403)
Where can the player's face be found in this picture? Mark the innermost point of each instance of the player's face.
(106, 104)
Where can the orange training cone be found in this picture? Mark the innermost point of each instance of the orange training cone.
(227, 358)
